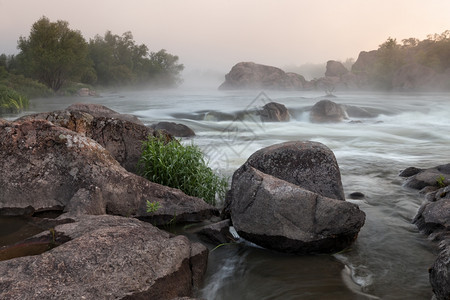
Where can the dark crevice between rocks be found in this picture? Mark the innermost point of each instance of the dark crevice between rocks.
(331, 245)
(34, 245)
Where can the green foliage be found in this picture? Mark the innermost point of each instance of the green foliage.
(118, 60)
(152, 206)
(26, 86)
(382, 64)
(53, 53)
(182, 167)
(440, 181)
(11, 101)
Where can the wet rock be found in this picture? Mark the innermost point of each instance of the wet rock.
(248, 75)
(274, 112)
(47, 167)
(107, 257)
(433, 218)
(120, 134)
(440, 272)
(326, 111)
(178, 130)
(289, 197)
(409, 172)
(278, 215)
(357, 195)
(217, 233)
(428, 177)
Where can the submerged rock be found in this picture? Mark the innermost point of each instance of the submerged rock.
(327, 111)
(107, 257)
(47, 167)
(274, 112)
(178, 130)
(289, 197)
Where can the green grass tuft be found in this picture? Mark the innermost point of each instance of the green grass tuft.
(182, 167)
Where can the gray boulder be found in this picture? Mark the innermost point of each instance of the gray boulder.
(120, 134)
(326, 111)
(310, 165)
(274, 112)
(289, 197)
(282, 216)
(47, 167)
(107, 257)
(178, 130)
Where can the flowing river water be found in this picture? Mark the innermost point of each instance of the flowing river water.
(390, 258)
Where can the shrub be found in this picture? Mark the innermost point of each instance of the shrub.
(182, 167)
(11, 101)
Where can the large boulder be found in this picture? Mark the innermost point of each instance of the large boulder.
(289, 197)
(249, 75)
(107, 257)
(310, 165)
(120, 134)
(274, 112)
(48, 167)
(327, 111)
(178, 130)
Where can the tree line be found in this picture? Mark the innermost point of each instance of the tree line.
(55, 55)
(432, 52)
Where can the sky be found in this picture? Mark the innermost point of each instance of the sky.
(217, 34)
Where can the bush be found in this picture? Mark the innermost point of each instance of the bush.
(181, 167)
(11, 101)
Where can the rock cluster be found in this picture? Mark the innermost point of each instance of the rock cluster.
(433, 218)
(72, 161)
(289, 197)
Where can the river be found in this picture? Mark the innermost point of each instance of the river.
(390, 258)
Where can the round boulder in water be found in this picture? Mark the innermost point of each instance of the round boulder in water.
(274, 112)
(326, 111)
(301, 210)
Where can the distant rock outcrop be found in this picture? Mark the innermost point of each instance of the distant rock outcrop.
(335, 69)
(249, 75)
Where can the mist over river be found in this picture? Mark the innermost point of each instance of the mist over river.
(390, 258)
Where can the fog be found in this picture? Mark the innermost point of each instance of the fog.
(212, 36)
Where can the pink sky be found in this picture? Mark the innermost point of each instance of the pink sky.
(209, 34)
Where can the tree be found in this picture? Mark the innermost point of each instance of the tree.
(118, 60)
(53, 53)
